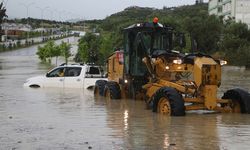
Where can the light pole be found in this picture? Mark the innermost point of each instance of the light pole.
(27, 13)
(59, 20)
(52, 14)
(51, 19)
(64, 22)
(42, 11)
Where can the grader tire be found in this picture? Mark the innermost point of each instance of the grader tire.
(240, 98)
(169, 100)
(99, 87)
(112, 90)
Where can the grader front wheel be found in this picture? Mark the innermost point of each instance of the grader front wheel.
(164, 106)
(168, 101)
(240, 100)
(236, 108)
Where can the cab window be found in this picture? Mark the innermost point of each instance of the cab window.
(58, 72)
(73, 71)
(94, 70)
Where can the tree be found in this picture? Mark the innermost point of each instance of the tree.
(205, 32)
(88, 48)
(41, 53)
(82, 54)
(56, 53)
(106, 47)
(47, 51)
(50, 49)
(2, 16)
(235, 43)
(65, 50)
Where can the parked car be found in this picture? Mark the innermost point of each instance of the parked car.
(68, 76)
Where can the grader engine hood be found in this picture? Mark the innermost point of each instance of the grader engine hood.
(207, 71)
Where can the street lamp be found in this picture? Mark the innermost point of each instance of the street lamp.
(42, 11)
(27, 11)
(52, 20)
(52, 14)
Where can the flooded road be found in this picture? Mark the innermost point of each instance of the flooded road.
(49, 119)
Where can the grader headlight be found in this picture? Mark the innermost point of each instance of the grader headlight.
(223, 62)
(125, 81)
(177, 61)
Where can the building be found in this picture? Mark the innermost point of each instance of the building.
(236, 9)
(14, 31)
(14, 26)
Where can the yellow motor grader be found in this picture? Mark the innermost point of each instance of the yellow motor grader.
(170, 82)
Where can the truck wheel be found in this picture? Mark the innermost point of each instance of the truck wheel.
(240, 99)
(168, 101)
(112, 90)
(99, 87)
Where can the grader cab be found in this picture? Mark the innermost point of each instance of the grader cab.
(170, 82)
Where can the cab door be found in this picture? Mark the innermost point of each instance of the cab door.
(55, 78)
(73, 77)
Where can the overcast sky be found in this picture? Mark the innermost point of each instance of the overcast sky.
(82, 9)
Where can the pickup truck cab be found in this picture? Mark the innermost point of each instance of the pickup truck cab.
(68, 76)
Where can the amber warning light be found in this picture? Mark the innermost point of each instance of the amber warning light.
(155, 21)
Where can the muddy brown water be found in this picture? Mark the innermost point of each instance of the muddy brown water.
(49, 119)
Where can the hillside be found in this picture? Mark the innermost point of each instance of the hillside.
(132, 15)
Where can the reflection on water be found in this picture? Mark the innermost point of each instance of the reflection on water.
(74, 119)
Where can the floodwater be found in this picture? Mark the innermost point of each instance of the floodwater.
(55, 119)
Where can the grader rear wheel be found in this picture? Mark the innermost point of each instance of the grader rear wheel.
(99, 87)
(236, 107)
(112, 90)
(107, 94)
(96, 91)
(168, 101)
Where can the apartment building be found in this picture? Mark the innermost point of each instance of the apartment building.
(237, 9)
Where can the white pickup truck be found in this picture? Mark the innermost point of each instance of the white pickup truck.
(68, 76)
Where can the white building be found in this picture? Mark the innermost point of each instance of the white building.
(14, 26)
(79, 33)
(237, 9)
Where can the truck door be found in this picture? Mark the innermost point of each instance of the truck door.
(55, 78)
(73, 78)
